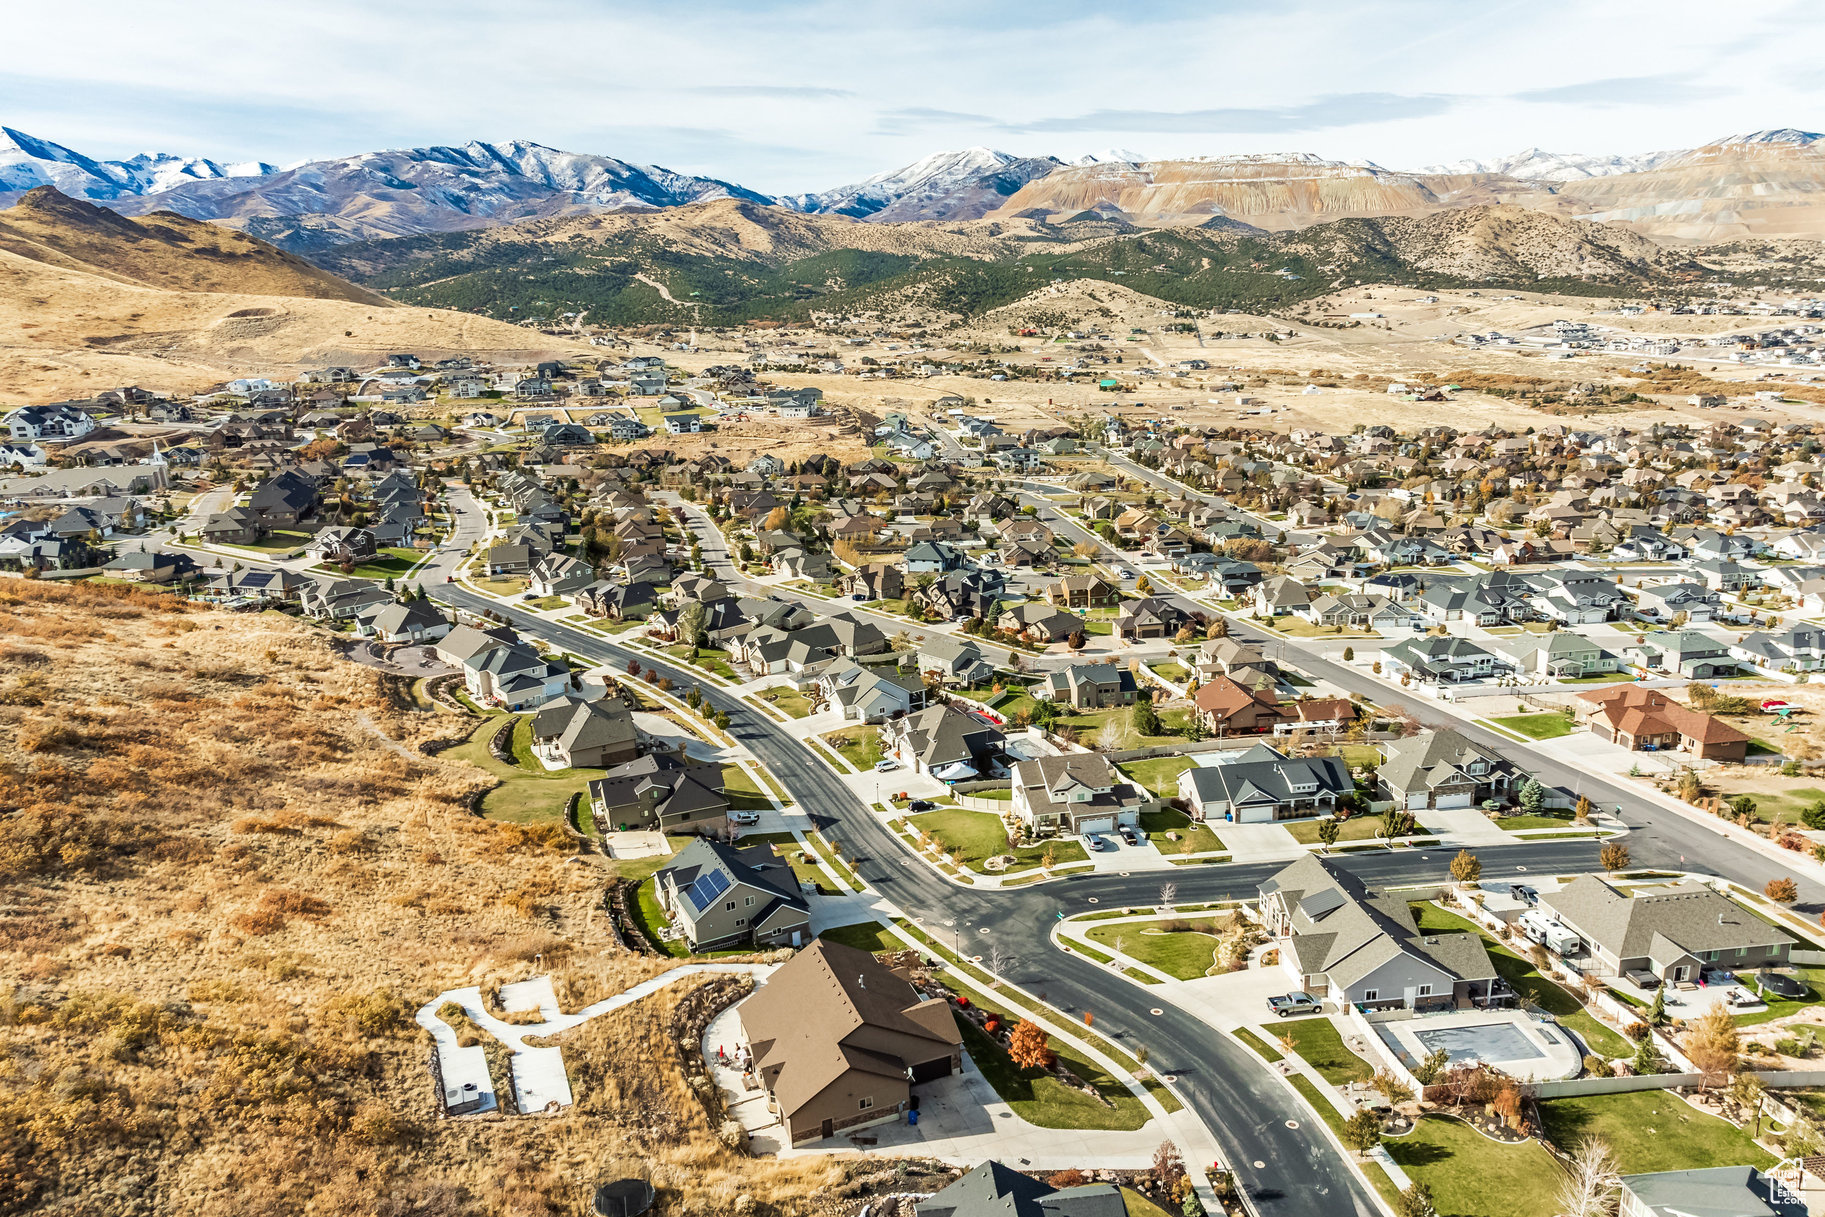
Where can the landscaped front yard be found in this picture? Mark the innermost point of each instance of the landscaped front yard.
(1156, 824)
(1039, 1098)
(740, 790)
(859, 745)
(1537, 726)
(1318, 1041)
(973, 837)
(1651, 1130)
(787, 700)
(1356, 828)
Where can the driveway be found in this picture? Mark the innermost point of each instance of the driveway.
(1463, 826)
(1237, 999)
(1258, 842)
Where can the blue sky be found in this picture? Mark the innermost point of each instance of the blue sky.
(807, 95)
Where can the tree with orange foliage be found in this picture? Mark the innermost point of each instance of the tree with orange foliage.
(1029, 1047)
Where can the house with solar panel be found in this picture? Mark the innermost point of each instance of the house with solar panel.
(719, 896)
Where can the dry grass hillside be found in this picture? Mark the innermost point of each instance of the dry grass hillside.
(86, 306)
(228, 876)
(161, 250)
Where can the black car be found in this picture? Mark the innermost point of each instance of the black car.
(1781, 985)
(920, 805)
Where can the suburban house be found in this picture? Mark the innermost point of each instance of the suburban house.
(1666, 601)
(1082, 592)
(994, 1190)
(1089, 686)
(721, 896)
(514, 676)
(1262, 786)
(870, 693)
(1341, 944)
(1673, 933)
(1232, 708)
(839, 1040)
(1152, 617)
(1560, 654)
(1798, 648)
(414, 621)
(957, 661)
(574, 734)
(1441, 770)
(1715, 1191)
(946, 743)
(664, 792)
(559, 574)
(1647, 720)
(1442, 659)
(1686, 653)
(1076, 793)
(1038, 622)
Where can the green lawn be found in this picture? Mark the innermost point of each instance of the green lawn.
(1181, 954)
(388, 562)
(1177, 673)
(869, 936)
(1041, 1099)
(1318, 1041)
(788, 701)
(1650, 1130)
(860, 745)
(1544, 819)
(652, 920)
(741, 791)
(1262, 1048)
(1781, 1007)
(528, 793)
(278, 541)
(973, 837)
(1537, 726)
(1472, 1176)
(1159, 774)
(1167, 819)
(547, 603)
(1356, 828)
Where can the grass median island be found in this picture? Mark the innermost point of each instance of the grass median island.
(1537, 726)
(1319, 1043)
(1039, 1098)
(1472, 1176)
(1181, 954)
(1651, 1130)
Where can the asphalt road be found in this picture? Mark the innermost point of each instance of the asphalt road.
(1228, 1087)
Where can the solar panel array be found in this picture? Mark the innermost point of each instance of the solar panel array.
(703, 893)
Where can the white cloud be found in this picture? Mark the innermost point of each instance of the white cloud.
(805, 95)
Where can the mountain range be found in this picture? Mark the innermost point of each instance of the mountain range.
(1761, 184)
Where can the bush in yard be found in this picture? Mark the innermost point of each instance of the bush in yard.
(1416, 1201)
(1029, 1047)
(1596, 1066)
(1782, 891)
(1068, 1178)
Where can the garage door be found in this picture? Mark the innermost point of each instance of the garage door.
(1101, 824)
(1451, 802)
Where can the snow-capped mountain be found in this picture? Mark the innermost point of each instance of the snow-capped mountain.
(27, 161)
(406, 191)
(1774, 135)
(961, 185)
(1540, 165)
(1108, 156)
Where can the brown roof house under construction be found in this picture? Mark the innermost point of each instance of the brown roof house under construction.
(1647, 720)
(839, 1039)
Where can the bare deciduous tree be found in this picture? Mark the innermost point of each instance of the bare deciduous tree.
(1591, 1181)
(1169, 891)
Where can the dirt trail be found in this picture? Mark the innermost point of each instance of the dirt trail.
(665, 292)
